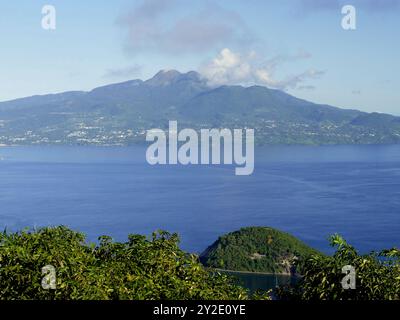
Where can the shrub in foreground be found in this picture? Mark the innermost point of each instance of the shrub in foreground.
(377, 275)
(137, 269)
(156, 268)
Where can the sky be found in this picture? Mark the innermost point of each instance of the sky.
(298, 46)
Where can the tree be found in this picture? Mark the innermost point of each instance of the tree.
(377, 275)
(137, 269)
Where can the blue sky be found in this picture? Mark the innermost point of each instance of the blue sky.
(294, 45)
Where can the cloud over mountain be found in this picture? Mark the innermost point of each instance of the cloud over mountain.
(229, 68)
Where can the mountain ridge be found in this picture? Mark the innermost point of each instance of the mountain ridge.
(120, 113)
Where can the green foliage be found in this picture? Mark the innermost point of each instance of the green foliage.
(156, 268)
(137, 269)
(257, 249)
(377, 275)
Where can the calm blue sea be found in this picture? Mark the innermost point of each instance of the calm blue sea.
(310, 192)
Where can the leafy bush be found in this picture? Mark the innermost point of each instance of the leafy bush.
(377, 275)
(137, 269)
(156, 268)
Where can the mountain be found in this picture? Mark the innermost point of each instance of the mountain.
(257, 249)
(119, 114)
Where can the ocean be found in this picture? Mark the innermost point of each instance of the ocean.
(309, 191)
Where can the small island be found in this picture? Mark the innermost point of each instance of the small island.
(257, 249)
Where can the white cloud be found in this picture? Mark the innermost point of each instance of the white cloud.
(227, 68)
(230, 68)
